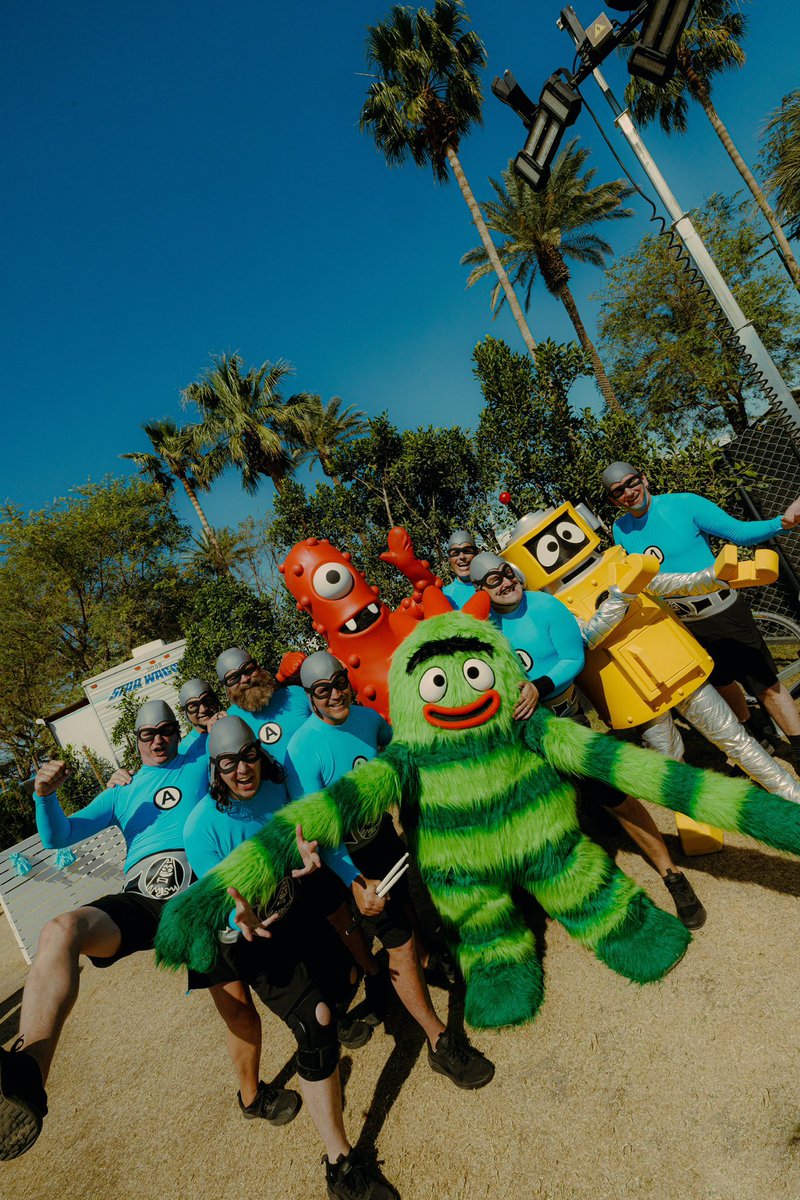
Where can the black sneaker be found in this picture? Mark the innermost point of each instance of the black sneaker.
(351, 1031)
(351, 1177)
(23, 1102)
(378, 991)
(459, 1061)
(687, 906)
(278, 1106)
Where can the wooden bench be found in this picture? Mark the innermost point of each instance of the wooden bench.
(31, 900)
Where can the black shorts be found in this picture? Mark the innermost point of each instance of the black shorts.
(737, 648)
(375, 859)
(280, 968)
(135, 916)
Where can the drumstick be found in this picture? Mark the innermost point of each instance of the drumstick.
(391, 877)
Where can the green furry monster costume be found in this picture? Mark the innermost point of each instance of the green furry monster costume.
(487, 805)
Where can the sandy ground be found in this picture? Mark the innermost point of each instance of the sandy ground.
(680, 1090)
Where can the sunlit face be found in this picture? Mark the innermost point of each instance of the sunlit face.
(460, 556)
(251, 687)
(503, 589)
(200, 710)
(631, 493)
(158, 744)
(241, 773)
(331, 698)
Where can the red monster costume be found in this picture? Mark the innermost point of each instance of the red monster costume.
(360, 629)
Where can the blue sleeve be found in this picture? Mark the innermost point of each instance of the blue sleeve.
(201, 848)
(384, 734)
(56, 829)
(340, 863)
(302, 771)
(710, 518)
(567, 639)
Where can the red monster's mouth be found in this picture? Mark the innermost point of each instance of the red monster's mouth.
(469, 715)
(362, 620)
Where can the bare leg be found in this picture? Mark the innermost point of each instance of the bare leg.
(736, 699)
(409, 983)
(781, 707)
(235, 1006)
(640, 826)
(323, 1099)
(355, 942)
(52, 985)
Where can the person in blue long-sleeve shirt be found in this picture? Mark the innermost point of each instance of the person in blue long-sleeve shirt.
(151, 812)
(677, 530)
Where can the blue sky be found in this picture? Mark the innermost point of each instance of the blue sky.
(186, 179)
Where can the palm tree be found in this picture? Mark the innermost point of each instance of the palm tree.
(783, 158)
(710, 44)
(426, 98)
(176, 456)
(328, 427)
(541, 230)
(245, 420)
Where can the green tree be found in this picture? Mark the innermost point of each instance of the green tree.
(426, 98)
(710, 45)
(542, 230)
(668, 351)
(176, 456)
(246, 423)
(782, 148)
(327, 427)
(82, 582)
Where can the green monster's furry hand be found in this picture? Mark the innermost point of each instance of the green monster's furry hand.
(487, 805)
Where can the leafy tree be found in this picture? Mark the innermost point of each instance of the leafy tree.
(426, 98)
(82, 582)
(326, 428)
(246, 423)
(782, 147)
(176, 456)
(710, 44)
(668, 348)
(227, 613)
(541, 230)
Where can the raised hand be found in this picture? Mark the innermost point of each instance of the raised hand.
(49, 777)
(308, 853)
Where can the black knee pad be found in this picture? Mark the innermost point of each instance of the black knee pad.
(317, 1045)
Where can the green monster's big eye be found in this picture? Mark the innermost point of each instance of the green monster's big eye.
(433, 684)
(478, 674)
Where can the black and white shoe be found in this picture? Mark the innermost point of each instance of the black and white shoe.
(23, 1102)
(687, 905)
(352, 1177)
(277, 1106)
(351, 1031)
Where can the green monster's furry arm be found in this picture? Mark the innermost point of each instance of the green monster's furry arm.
(733, 804)
(188, 933)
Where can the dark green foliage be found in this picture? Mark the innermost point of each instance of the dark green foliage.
(123, 733)
(782, 154)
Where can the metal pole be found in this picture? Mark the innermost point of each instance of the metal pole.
(766, 373)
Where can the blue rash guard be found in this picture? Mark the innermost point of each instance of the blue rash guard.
(194, 745)
(211, 834)
(676, 530)
(320, 753)
(151, 811)
(459, 592)
(277, 721)
(546, 638)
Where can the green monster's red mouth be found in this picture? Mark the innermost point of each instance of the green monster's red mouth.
(467, 717)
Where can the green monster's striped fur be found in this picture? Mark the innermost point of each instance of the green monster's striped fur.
(487, 808)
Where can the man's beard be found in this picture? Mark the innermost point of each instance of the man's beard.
(255, 696)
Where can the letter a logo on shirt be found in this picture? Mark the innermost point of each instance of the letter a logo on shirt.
(167, 797)
(655, 552)
(270, 733)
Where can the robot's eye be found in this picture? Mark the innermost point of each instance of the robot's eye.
(547, 550)
(570, 533)
(433, 685)
(332, 581)
(478, 674)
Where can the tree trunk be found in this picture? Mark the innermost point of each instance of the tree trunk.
(701, 91)
(491, 251)
(211, 537)
(603, 382)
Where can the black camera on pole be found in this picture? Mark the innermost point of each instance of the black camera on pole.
(655, 55)
(558, 108)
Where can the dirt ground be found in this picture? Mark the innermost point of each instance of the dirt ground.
(681, 1090)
